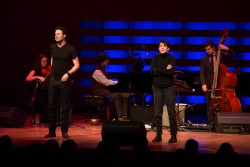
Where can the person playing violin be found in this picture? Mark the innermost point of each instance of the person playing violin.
(38, 78)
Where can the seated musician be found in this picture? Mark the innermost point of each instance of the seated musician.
(207, 65)
(101, 83)
(38, 77)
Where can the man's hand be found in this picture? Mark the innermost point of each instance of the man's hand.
(223, 47)
(169, 67)
(204, 88)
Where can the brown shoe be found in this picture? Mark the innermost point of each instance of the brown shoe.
(173, 139)
(157, 139)
(50, 135)
(65, 135)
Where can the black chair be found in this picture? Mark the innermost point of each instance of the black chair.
(96, 103)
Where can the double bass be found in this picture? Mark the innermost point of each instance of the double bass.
(224, 83)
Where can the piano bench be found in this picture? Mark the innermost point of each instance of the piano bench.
(99, 102)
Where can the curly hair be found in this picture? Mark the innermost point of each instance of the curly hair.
(101, 57)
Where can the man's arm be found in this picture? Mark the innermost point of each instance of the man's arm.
(227, 52)
(102, 79)
(76, 66)
(202, 75)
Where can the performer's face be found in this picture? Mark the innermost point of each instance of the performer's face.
(44, 62)
(209, 50)
(105, 63)
(59, 36)
(163, 48)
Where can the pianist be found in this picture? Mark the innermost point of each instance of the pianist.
(101, 84)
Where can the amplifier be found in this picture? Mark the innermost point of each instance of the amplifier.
(180, 114)
(232, 122)
(143, 114)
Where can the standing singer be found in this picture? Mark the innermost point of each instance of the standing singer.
(64, 63)
(162, 71)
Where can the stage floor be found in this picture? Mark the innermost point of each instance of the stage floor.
(87, 136)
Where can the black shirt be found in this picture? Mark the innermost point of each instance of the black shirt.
(62, 59)
(162, 77)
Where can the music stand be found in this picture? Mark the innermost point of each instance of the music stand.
(136, 68)
(181, 86)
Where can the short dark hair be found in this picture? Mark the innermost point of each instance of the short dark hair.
(165, 42)
(63, 29)
(209, 43)
(101, 57)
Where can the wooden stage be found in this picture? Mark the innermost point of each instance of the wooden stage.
(89, 136)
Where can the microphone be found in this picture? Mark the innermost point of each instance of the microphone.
(129, 52)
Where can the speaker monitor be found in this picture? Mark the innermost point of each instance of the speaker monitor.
(12, 117)
(124, 133)
(180, 114)
(231, 122)
(143, 114)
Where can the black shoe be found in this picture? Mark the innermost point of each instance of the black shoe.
(157, 139)
(50, 135)
(173, 139)
(65, 135)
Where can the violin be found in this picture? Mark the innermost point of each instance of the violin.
(46, 73)
(46, 70)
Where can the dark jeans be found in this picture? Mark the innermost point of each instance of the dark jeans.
(166, 95)
(58, 96)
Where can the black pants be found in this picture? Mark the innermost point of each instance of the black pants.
(58, 91)
(166, 95)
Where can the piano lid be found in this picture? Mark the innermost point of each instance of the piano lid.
(133, 82)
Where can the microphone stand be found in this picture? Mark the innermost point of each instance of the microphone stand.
(131, 72)
(33, 101)
(34, 98)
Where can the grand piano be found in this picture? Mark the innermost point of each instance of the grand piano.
(134, 86)
(142, 82)
(139, 85)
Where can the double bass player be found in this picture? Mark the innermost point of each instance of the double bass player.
(208, 66)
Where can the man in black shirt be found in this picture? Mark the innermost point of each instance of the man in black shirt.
(64, 62)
